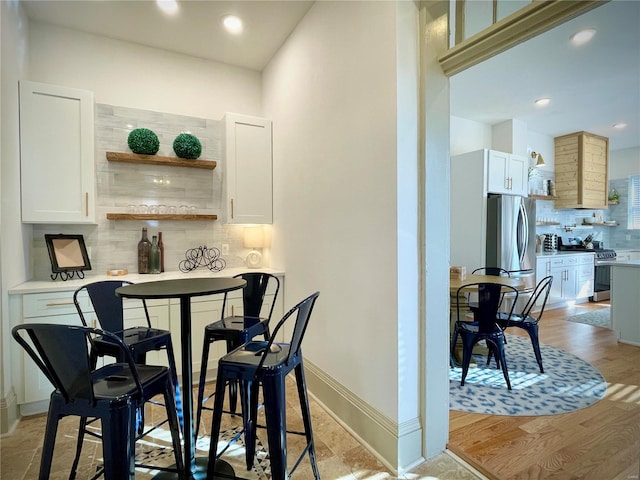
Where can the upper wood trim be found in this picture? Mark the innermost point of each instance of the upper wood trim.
(534, 19)
(160, 160)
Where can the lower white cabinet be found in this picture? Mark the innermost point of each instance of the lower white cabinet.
(572, 275)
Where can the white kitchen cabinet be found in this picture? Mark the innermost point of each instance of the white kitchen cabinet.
(507, 173)
(56, 154)
(573, 275)
(248, 169)
(55, 307)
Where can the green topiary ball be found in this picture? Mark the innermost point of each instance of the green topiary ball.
(187, 146)
(144, 141)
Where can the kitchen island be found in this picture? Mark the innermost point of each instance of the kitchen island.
(625, 300)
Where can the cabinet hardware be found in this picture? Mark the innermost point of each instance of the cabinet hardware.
(232, 208)
(86, 204)
(59, 304)
(233, 311)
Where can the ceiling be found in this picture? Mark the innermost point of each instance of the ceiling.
(591, 87)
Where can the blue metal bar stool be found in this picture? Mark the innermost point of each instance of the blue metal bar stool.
(236, 330)
(112, 393)
(267, 363)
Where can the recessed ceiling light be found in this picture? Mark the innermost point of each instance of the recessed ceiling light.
(541, 102)
(167, 6)
(583, 36)
(620, 125)
(232, 23)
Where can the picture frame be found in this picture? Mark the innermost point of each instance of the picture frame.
(68, 255)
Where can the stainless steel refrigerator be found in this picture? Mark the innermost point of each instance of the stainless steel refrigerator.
(511, 233)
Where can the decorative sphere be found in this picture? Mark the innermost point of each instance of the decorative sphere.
(187, 146)
(143, 141)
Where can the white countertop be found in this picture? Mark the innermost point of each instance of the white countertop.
(622, 263)
(45, 286)
(563, 252)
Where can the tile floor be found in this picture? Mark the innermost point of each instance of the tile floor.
(340, 456)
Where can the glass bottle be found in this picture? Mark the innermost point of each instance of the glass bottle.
(161, 245)
(144, 246)
(154, 256)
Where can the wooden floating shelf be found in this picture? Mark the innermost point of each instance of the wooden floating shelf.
(159, 216)
(548, 224)
(599, 224)
(543, 197)
(612, 202)
(160, 160)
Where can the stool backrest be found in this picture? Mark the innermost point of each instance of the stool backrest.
(303, 314)
(254, 292)
(62, 353)
(106, 305)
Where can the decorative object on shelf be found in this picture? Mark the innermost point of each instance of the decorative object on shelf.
(143, 141)
(202, 257)
(538, 158)
(161, 246)
(614, 196)
(187, 145)
(254, 238)
(68, 255)
(144, 248)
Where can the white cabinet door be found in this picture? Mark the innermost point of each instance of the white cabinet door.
(248, 169)
(518, 175)
(56, 154)
(497, 171)
(507, 173)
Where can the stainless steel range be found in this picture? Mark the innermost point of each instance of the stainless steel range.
(602, 273)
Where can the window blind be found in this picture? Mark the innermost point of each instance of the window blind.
(634, 202)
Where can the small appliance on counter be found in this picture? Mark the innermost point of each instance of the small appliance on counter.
(550, 242)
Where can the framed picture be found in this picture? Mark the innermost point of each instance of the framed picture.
(68, 255)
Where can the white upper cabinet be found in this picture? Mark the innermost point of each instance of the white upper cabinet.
(248, 169)
(507, 173)
(56, 154)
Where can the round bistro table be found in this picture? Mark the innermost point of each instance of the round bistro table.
(184, 289)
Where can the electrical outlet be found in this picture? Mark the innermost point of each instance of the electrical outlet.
(225, 249)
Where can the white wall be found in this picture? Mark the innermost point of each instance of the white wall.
(135, 76)
(331, 93)
(15, 237)
(468, 135)
(623, 163)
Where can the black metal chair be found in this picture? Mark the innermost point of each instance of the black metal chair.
(484, 326)
(529, 319)
(236, 330)
(112, 393)
(493, 271)
(267, 363)
(140, 340)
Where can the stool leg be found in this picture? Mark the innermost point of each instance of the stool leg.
(233, 385)
(203, 378)
(49, 438)
(215, 424)
(273, 387)
(249, 402)
(118, 442)
(174, 425)
(176, 384)
(81, 429)
(306, 418)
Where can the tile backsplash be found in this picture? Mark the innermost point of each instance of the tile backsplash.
(113, 243)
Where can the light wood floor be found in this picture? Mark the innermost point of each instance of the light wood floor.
(601, 442)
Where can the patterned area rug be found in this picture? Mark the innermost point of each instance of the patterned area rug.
(569, 383)
(155, 450)
(597, 318)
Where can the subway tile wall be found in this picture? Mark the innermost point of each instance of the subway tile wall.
(113, 243)
(621, 237)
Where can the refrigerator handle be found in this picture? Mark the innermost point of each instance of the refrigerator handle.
(523, 224)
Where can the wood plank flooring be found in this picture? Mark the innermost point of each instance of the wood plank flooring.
(601, 442)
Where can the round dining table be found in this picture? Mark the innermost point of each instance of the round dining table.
(184, 289)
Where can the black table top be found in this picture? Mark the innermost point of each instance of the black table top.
(181, 287)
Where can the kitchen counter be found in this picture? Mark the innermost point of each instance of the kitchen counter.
(625, 301)
(47, 286)
(560, 253)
